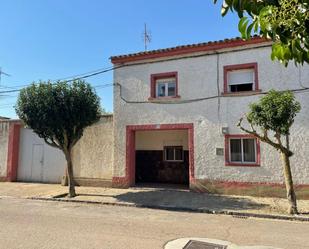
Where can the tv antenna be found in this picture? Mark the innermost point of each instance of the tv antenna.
(146, 36)
(1, 72)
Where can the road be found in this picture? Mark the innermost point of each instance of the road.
(39, 224)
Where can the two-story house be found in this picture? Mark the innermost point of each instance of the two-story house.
(176, 110)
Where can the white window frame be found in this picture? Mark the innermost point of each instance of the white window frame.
(166, 81)
(174, 147)
(242, 151)
(241, 70)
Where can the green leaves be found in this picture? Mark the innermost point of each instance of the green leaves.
(275, 111)
(242, 26)
(285, 22)
(53, 110)
(225, 8)
(245, 28)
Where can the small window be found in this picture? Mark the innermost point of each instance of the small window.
(241, 78)
(166, 87)
(242, 150)
(173, 153)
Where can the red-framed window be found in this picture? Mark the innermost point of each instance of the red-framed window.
(241, 78)
(164, 85)
(242, 150)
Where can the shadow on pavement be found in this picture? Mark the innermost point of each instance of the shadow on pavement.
(187, 199)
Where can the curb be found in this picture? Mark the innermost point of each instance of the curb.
(182, 209)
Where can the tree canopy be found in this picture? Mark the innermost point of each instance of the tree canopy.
(275, 114)
(285, 22)
(59, 113)
(275, 111)
(54, 111)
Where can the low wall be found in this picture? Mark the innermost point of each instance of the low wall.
(4, 140)
(248, 188)
(93, 155)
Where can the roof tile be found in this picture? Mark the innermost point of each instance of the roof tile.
(185, 49)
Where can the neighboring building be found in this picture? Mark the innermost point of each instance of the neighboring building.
(25, 157)
(3, 118)
(175, 115)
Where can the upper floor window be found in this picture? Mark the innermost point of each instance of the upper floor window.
(164, 85)
(242, 150)
(241, 78)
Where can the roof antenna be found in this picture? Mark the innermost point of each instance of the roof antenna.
(1, 72)
(146, 36)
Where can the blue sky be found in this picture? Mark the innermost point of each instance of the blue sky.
(54, 39)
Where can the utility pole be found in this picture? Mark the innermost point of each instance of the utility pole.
(146, 36)
(1, 72)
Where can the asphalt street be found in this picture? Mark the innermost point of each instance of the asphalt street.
(42, 224)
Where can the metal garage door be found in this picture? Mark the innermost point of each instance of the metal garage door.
(38, 162)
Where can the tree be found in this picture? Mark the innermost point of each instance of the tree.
(274, 114)
(59, 113)
(285, 22)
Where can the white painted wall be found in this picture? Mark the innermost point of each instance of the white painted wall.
(32, 150)
(197, 78)
(156, 140)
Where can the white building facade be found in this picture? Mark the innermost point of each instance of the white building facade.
(176, 112)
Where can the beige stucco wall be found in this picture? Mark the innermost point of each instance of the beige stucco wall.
(197, 78)
(156, 140)
(4, 139)
(93, 154)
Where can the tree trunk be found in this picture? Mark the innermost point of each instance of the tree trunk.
(289, 184)
(71, 183)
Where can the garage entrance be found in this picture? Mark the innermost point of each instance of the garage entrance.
(159, 154)
(162, 157)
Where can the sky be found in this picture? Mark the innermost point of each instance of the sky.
(56, 39)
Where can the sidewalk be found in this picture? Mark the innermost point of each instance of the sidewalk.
(160, 198)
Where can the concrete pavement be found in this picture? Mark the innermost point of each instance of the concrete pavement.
(164, 198)
(38, 224)
(26, 190)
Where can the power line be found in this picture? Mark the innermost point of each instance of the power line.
(71, 78)
(185, 101)
(96, 86)
(7, 96)
(2, 73)
(300, 90)
(60, 79)
(82, 74)
(10, 105)
(94, 73)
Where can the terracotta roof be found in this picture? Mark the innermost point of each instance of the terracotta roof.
(186, 49)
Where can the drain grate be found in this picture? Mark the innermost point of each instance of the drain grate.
(240, 216)
(194, 244)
